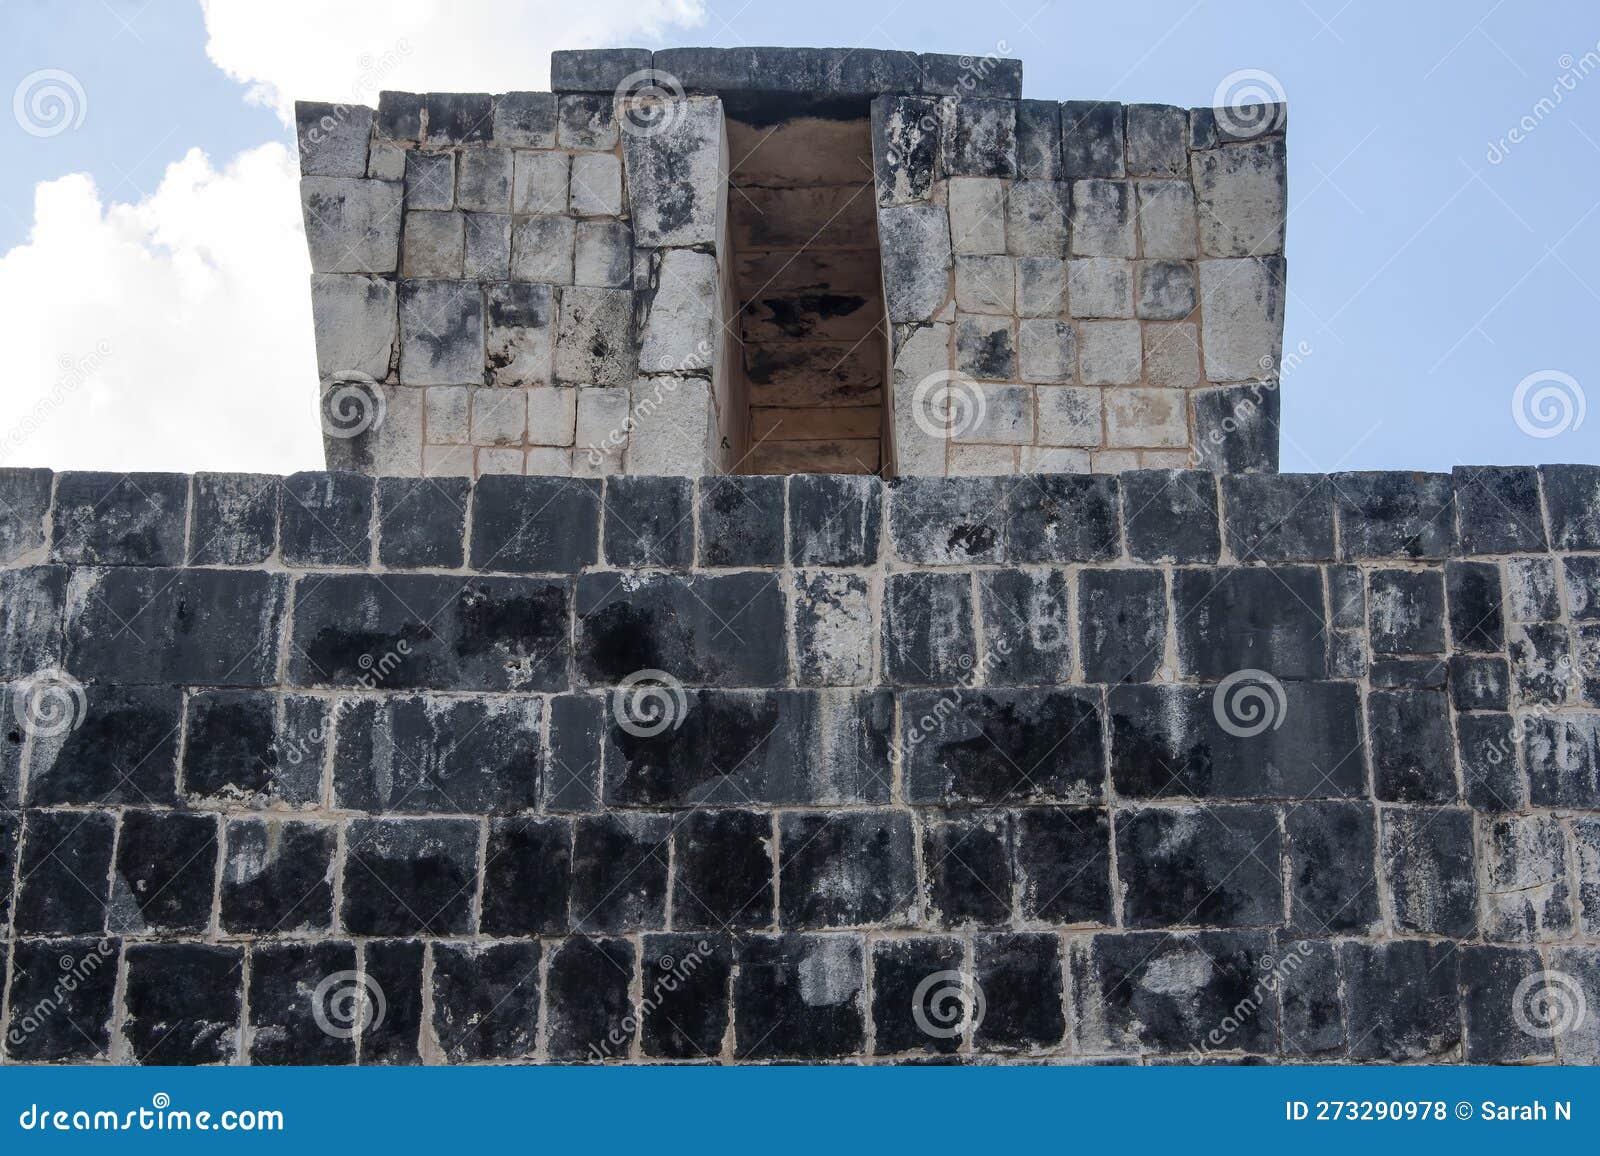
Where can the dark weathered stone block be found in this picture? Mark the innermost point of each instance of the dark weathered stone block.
(24, 502)
(51, 1022)
(1487, 747)
(289, 988)
(277, 877)
(734, 748)
(454, 755)
(1394, 515)
(1562, 755)
(912, 1012)
(1064, 865)
(395, 965)
(1091, 139)
(966, 861)
(1541, 664)
(459, 117)
(1531, 594)
(723, 869)
(486, 1000)
(1250, 619)
(594, 69)
(526, 119)
(1122, 624)
(1405, 609)
(587, 998)
(1166, 992)
(125, 749)
(1408, 673)
(1022, 981)
(928, 632)
(1171, 515)
(1278, 517)
(1002, 746)
(527, 877)
(1333, 884)
(406, 631)
(1238, 742)
(1477, 614)
(1490, 979)
(1498, 508)
(183, 1003)
(1039, 140)
(1027, 626)
(234, 519)
(1216, 866)
(409, 876)
(686, 995)
(970, 76)
(1400, 999)
(400, 115)
(327, 520)
(980, 139)
(189, 627)
(31, 602)
(905, 147)
(119, 519)
(845, 869)
(725, 629)
(422, 522)
(1479, 683)
(248, 746)
(535, 524)
(1526, 897)
(1347, 599)
(1412, 754)
(1311, 1014)
(948, 521)
(572, 772)
(741, 521)
(834, 519)
(1572, 497)
(649, 521)
(799, 997)
(1428, 860)
(166, 872)
(1063, 518)
(1236, 427)
(619, 872)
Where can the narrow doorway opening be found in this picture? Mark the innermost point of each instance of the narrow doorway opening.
(807, 284)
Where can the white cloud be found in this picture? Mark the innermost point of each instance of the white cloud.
(173, 333)
(313, 50)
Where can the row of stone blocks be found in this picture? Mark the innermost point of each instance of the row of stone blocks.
(568, 525)
(1228, 997)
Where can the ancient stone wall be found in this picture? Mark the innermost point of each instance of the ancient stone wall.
(545, 283)
(1072, 767)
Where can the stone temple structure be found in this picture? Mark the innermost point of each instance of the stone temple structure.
(826, 261)
(801, 576)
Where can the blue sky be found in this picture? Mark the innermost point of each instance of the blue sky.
(1426, 279)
